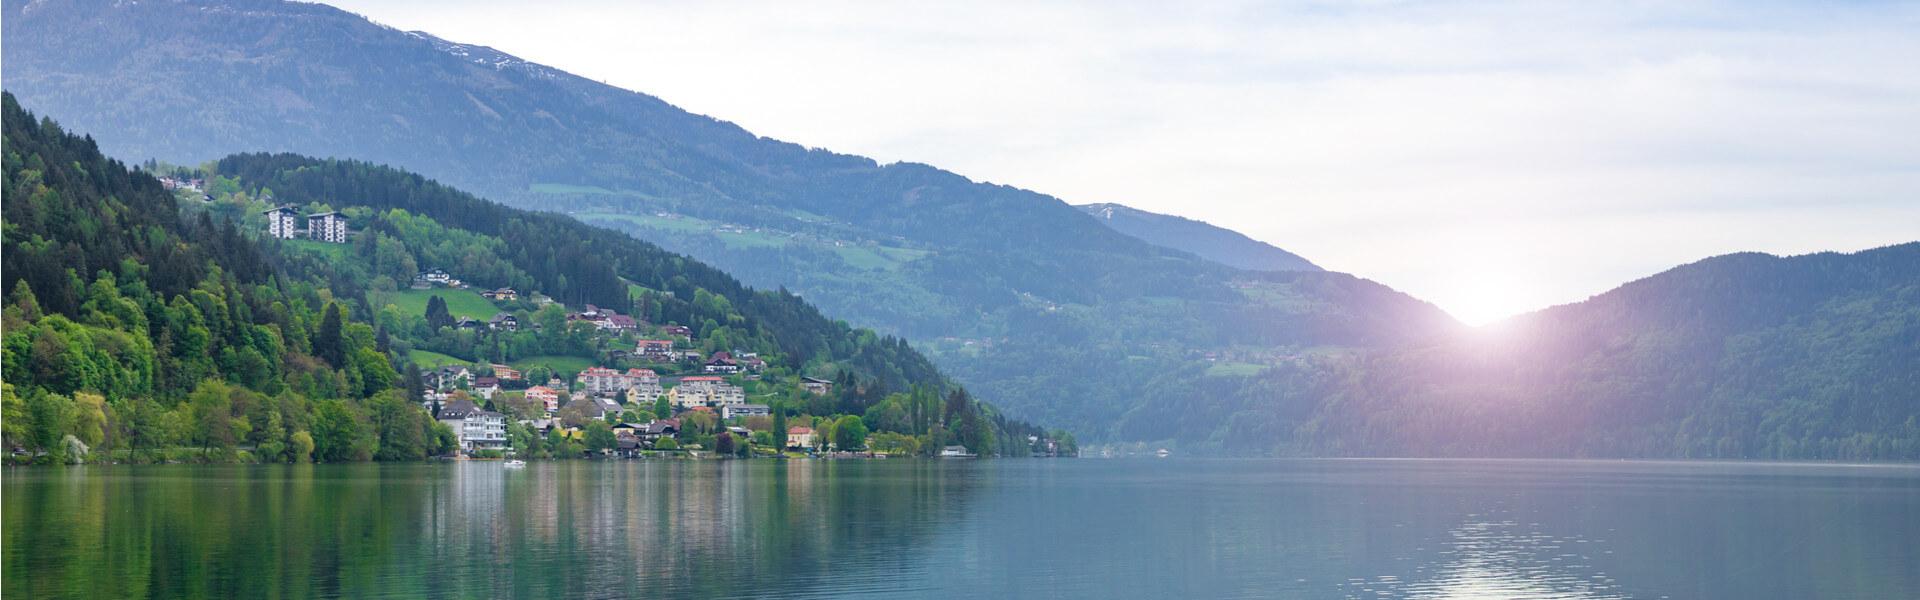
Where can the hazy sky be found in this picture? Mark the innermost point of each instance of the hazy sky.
(1493, 158)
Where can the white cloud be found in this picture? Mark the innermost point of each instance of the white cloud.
(1556, 149)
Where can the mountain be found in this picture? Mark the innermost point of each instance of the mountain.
(1217, 244)
(1026, 300)
(176, 318)
(1021, 297)
(1738, 356)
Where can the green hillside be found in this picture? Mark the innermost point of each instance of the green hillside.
(461, 302)
(197, 331)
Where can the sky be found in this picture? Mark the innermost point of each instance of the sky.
(1492, 158)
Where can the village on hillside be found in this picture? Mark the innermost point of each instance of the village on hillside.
(644, 390)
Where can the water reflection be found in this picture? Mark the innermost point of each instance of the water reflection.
(1508, 559)
(571, 529)
(971, 529)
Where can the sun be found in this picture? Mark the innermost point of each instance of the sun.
(1484, 298)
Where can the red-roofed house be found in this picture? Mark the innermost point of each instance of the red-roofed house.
(547, 397)
(799, 437)
(506, 373)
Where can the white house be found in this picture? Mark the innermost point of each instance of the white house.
(478, 429)
(799, 437)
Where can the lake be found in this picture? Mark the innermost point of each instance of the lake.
(1137, 528)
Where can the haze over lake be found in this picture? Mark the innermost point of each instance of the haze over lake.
(1138, 528)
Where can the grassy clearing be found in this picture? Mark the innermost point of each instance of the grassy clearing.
(568, 188)
(565, 366)
(460, 302)
(750, 239)
(677, 223)
(434, 360)
(863, 258)
(1235, 369)
(331, 251)
(877, 257)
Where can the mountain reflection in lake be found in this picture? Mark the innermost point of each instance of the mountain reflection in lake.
(987, 529)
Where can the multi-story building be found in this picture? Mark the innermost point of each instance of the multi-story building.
(546, 396)
(330, 227)
(706, 391)
(645, 394)
(478, 428)
(283, 222)
(654, 350)
(641, 385)
(602, 380)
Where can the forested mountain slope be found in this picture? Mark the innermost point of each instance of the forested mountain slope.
(137, 321)
(1217, 244)
(133, 329)
(1020, 296)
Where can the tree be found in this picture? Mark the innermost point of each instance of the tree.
(404, 431)
(698, 422)
(600, 437)
(442, 441)
(849, 433)
(49, 414)
(90, 420)
(338, 433)
(539, 374)
(779, 428)
(300, 447)
(558, 445)
(212, 415)
(522, 438)
(888, 415)
(328, 343)
(437, 315)
(552, 321)
(894, 443)
(14, 419)
(662, 408)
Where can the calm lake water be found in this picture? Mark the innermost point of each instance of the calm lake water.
(1084, 528)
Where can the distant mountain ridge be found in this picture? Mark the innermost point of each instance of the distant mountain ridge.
(1739, 356)
(1211, 242)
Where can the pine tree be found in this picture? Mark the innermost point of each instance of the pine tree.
(327, 342)
(779, 428)
(437, 314)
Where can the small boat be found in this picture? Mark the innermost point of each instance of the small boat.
(1162, 453)
(515, 463)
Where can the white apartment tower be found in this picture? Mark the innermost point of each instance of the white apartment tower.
(282, 222)
(330, 227)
